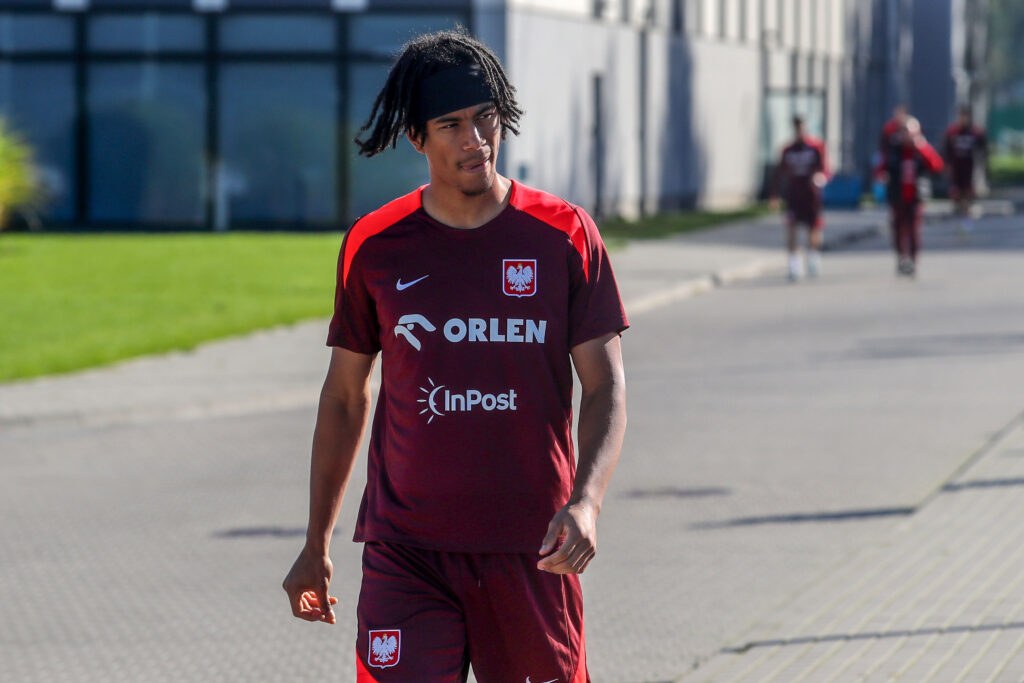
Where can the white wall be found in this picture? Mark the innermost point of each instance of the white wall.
(552, 62)
(696, 137)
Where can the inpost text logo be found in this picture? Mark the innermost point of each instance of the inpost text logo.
(439, 400)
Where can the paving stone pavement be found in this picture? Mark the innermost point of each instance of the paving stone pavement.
(169, 515)
(941, 600)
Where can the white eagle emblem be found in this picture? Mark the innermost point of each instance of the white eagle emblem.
(520, 277)
(384, 648)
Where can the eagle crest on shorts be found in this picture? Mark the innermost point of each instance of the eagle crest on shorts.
(385, 648)
(520, 277)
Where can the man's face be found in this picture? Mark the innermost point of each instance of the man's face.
(462, 148)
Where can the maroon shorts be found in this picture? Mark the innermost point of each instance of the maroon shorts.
(426, 615)
(961, 184)
(809, 218)
(804, 208)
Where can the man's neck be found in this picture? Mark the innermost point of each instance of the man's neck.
(450, 206)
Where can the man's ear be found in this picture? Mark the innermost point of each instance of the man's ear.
(417, 144)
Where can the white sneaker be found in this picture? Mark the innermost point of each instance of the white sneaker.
(795, 270)
(813, 263)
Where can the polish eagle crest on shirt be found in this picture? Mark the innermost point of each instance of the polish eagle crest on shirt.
(385, 648)
(519, 276)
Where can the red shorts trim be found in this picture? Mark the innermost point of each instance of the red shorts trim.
(362, 674)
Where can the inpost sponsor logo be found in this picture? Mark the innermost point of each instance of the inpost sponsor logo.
(439, 400)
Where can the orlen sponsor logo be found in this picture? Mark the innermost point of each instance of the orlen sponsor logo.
(496, 330)
(509, 330)
(440, 400)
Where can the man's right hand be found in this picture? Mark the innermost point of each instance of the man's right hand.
(306, 586)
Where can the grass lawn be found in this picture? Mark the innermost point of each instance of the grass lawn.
(1007, 170)
(75, 301)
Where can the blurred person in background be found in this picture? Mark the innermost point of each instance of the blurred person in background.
(892, 127)
(804, 170)
(906, 160)
(887, 137)
(963, 144)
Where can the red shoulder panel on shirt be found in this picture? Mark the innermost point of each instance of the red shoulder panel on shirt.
(378, 221)
(557, 213)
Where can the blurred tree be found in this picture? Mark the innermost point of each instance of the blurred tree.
(19, 185)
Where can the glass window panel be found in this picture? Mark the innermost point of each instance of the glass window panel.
(384, 34)
(27, 32)
(379, 179)
(150, 32)
(146, 137)
(38, 102)
(278, 143)
(777, 124)
(277, 33)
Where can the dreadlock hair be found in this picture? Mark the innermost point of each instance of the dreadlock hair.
(392, 113)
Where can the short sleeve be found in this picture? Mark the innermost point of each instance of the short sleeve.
(354, 326)
(595, 306)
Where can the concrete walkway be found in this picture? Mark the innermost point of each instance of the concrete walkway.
(942, 600)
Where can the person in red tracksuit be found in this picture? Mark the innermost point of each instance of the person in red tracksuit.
(892, 126)
(906, 158)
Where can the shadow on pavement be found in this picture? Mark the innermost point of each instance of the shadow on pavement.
(875, 635)
(261, 531)
(982, 484)
(675, 492)
(808, 518)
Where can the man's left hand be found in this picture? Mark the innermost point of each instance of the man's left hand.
(576, 526)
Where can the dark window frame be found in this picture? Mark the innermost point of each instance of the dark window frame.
(80, 57)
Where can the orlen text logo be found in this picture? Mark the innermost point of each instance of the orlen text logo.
(508, 330)
(440, 400)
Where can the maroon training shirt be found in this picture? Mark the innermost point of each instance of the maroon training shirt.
(798, 163)
(471, 445)
(962, 142)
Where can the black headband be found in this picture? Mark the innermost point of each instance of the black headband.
(449, 90)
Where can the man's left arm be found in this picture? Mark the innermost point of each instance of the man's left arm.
(602, 424)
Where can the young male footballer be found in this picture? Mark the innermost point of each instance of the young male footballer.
(481, 295)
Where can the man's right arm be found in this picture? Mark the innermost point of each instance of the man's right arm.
(340, 422)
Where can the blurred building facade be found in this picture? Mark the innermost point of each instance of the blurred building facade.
(928, 55)
(221, 114)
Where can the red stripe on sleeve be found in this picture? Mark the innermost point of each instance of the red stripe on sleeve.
(557, 213)
(931, 158)
(377, 221)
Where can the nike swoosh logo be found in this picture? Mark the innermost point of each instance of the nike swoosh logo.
(553, 680)
(406, 285)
